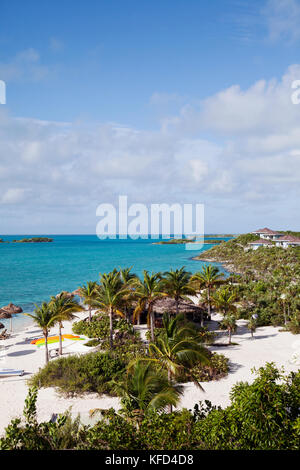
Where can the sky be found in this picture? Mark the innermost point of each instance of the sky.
(174, 101)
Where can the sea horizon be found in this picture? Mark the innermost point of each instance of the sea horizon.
(33, 272)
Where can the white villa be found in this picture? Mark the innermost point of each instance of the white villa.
(269, 238)
(288, 240)
(267, 234)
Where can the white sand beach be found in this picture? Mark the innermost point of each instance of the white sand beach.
(268, 344)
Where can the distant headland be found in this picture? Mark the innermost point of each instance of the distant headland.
(180, 241)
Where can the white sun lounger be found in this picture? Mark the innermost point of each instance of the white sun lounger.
(8, 372)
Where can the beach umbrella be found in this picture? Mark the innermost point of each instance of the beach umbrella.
(10, 310)
(4, 314)
(69, 295)
(55, 339)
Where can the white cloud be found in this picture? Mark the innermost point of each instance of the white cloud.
(247, 163)
(283, 19)
(12, 196)
(26, 66)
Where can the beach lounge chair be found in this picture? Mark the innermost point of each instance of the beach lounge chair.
(8, 372)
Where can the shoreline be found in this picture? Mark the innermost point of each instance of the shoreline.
(227, 265)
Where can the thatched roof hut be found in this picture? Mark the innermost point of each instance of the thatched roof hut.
(167, 304)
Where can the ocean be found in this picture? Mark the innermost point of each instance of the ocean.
(32, 272)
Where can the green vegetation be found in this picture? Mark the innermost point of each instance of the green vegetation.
(208, 278)
(99, 327)
(148, 377)
(176, 284)
(44, 317)
(147, 291)
(267, 284)
(88, 293)
(75, 375)
(263, 415)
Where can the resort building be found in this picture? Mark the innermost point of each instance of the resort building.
(287, 240)
(269, 238)
(267, 234)
(261, 242)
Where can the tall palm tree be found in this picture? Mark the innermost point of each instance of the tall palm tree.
(128, 278)
(145, 388)
(44, 317)
(176, 285)
(208, 278)
(223, 299)
(229, 323)
(147, 292)
(178, 348)
(88, 292)
(109, 298)
(63, 308)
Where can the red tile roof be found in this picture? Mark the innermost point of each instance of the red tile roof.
(261, 241)
(289, 238)
(267, 231)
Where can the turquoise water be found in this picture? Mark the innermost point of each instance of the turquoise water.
(31, 272)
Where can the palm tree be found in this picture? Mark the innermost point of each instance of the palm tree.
(176, 285)
(223, 299)
(109, 298)
(88, 292)
(44, 317)
(178, 348)
(251, 325)
(128, 280)
(229, 323)
(63, 308)
(147, 292)
(145, 388)
(208, 278)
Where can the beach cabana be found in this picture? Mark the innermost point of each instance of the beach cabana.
(10, 310)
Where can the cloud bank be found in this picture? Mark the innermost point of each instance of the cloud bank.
(238, 152)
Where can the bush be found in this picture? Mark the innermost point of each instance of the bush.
(294, 325)
(263, 415)
(99, 327)
(93, 342)
(216, 369)
(127, 347)
(79, 374)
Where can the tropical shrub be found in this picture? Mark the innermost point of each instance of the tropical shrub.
(75, 375)
(217, 368)
(99, 327)
(263, 415)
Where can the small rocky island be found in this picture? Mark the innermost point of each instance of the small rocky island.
(34, 240)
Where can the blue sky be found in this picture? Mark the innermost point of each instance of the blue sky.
(166, 101)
